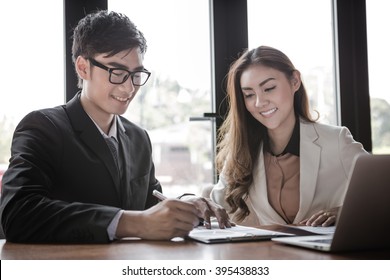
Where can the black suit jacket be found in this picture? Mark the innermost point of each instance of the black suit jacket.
(62, 184)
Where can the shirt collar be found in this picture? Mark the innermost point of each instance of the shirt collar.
(292, 145)
(113, 132)
(113, 129)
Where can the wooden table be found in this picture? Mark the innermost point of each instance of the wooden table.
(178, 250)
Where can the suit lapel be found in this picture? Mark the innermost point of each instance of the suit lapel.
(91, 136)
(310, 154)
(258, 195)
(125, 144)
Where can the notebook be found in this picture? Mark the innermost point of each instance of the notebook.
(364, 220)
(233, 234)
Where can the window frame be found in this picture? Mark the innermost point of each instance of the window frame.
(230, 37)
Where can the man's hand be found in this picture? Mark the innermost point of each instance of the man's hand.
(167, 219)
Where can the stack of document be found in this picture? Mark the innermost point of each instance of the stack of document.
(235, 233)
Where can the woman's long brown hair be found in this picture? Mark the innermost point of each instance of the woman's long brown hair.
(241, 135)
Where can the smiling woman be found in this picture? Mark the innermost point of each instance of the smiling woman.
(277, 164)
(268, 93)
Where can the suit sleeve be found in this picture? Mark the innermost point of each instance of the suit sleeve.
(218, 193)
(28, 212)
(349, 149)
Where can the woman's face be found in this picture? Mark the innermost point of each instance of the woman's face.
(269, 96)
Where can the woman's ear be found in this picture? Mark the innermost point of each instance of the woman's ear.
(296, 80)
(82, 67)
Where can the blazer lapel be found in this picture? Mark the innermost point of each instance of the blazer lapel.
(258, 195)
(125, 144)
(92, 138)
(310, 153)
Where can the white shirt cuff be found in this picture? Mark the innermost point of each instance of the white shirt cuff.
(111, 230)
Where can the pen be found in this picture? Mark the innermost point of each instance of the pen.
(162, 197)
(159, 195)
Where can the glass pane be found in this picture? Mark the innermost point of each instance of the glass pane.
(302, 29)
(178, 55)
(32, 72)
(378, 41)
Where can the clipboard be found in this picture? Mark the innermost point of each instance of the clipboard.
(234, 234)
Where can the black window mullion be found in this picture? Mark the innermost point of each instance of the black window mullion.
(230, 37)
(351, 38)
(74, 10)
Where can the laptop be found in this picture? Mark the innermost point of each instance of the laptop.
(364, 220)
(233, 234)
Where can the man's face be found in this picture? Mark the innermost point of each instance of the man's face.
(102, 98)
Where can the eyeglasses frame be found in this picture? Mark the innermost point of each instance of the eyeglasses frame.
(110, 70)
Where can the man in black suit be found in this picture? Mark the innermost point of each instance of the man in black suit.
(82, 173)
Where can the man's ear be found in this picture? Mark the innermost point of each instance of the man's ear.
(296, 80)
(82, 67)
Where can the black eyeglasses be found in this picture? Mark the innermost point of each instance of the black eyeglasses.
(119, 75)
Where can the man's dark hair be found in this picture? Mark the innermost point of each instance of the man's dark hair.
(105, 32)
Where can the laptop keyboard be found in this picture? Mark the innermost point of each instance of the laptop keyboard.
(325, 241)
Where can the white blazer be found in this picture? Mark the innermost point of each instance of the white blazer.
(327, 154)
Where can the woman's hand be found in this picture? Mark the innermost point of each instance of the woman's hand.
(322, 218)
(207, 209)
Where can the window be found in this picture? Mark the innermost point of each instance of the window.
(32, 75)
(179, 88)
(378, 44)
(306, 38)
